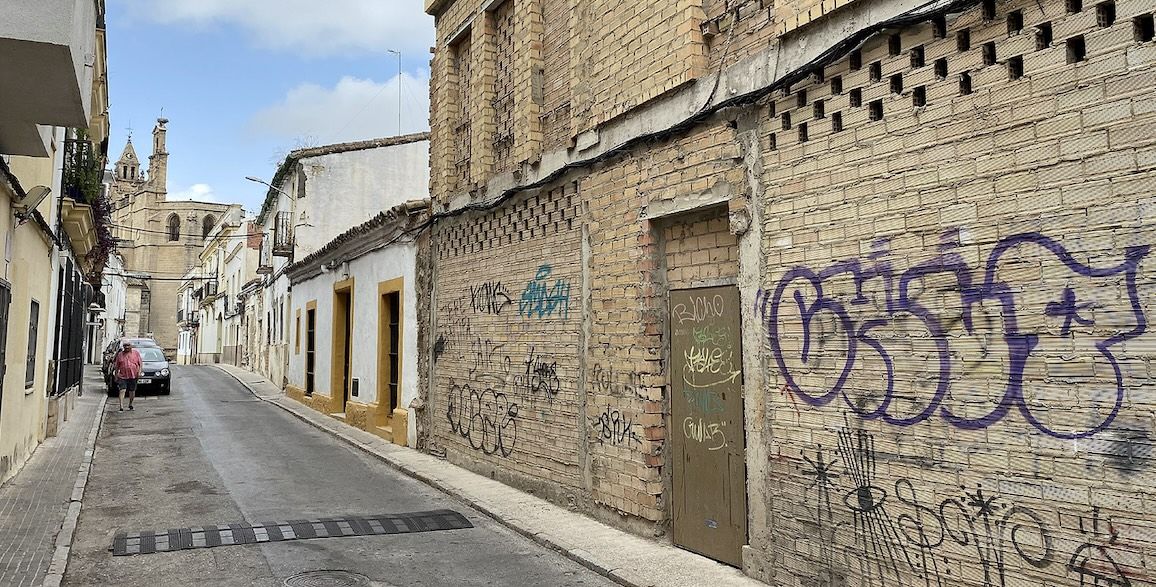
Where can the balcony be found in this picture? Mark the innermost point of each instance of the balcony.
(81, 184)
(50, 57)
(283, 235)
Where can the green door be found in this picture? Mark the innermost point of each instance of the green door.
(706, 423)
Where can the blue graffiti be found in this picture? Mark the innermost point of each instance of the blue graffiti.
(801, 290)
(541, 300)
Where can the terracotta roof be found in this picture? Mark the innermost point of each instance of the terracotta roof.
(401, 216)
(294, 156)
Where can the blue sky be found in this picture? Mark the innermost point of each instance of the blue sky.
(242, 82)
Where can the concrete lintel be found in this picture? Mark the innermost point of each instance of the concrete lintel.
(719, 193)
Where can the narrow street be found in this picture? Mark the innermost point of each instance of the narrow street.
(212, 454)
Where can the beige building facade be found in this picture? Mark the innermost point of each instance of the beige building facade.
(159, 239)
(841, 293)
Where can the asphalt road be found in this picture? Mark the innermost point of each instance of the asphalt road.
(211, 453)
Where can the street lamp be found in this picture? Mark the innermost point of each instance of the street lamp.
(265, 183)
(398, 53)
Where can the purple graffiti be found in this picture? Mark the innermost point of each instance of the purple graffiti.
(801, 291)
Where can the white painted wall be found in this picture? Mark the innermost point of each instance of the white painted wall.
(368, 271)
(365, 183)
(115, 289)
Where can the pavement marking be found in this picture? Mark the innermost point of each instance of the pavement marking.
(173, 539)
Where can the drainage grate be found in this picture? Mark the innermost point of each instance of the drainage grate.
(327, 579)
(149, 541)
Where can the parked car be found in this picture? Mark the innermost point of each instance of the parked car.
(155, 373)
(113, 347)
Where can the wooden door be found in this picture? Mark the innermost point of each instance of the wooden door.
(707, 435)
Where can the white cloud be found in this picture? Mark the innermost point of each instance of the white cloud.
(307, 26)
(200, 192)
(354, 109)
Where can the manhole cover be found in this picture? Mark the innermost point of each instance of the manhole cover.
(328, 579)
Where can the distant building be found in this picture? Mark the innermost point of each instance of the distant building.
(159, 238)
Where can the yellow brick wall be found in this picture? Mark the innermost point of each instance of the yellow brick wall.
(700, 250)
(955, 310)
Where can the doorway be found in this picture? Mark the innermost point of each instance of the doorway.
(706, 419)
(342, 338)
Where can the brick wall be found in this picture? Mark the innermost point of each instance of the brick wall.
(983, 255)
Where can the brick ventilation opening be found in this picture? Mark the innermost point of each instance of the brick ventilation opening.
(837, 85)
(1043, 36)
(1144, 28)
(836, 121)
(876, 112)
(1015, 67)
(963, 40)
(989, 53)
(1015, 22)
(1074, 6)
(1106, 14)
(786, 121)
(801, 99)
(774, 142)
(964, 84)
(894, 45)
(897, 84)
(939, 27)
(819, 109)
(856, 60)
(1077, 50)
(919, 97)
(941, 68)
(989, 9)
(876, 72)
(917, 59)
(802, 132)
(856, 97)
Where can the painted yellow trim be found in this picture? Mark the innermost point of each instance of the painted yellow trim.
(297, 334)
(383, 414)
(311, 306)
(338, 333)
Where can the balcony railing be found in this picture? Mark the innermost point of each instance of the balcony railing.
(283, 235)
(82, 174)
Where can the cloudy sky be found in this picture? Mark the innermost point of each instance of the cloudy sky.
(244, 82)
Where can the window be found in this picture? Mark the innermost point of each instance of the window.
(297, 333)
(207, 225)
(33, 326)
(174, 227)
(310, 346)
(392, 306)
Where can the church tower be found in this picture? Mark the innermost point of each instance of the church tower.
(159, 160)
(128, 166)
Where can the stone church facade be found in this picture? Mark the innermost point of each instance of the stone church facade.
(160, 240)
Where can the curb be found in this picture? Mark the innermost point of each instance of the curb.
(63, 545)
(583, 558)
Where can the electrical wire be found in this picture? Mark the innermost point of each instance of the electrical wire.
(184, 234)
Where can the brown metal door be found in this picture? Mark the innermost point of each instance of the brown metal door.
(706, 413)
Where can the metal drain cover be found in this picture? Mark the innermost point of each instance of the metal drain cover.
(328, 579)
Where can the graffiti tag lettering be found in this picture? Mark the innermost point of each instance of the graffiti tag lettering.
(541, 300)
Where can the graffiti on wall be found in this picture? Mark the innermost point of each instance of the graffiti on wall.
(539, 377)
(901, 538)
(541, 299)
(614, 427)
(487, 419)
(842, 332)
(490, 297)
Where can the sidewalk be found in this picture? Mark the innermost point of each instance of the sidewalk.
(622, 557)
(45, 494)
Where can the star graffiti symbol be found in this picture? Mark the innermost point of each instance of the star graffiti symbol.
(1068, 309)
(821, 470)
(985, 506)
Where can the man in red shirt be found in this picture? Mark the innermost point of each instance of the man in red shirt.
(126, 368)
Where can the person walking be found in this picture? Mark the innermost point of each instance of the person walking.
(127, 369)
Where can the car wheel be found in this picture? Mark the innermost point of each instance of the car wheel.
(165, 390)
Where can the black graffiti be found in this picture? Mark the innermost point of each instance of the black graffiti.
(1093, 561)
(487, 419)
(540, 377)
(490, 297)
(874, 531)
(989, 525)
(613, 427)
(604, 380)
(439, 347)
(488, 360)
